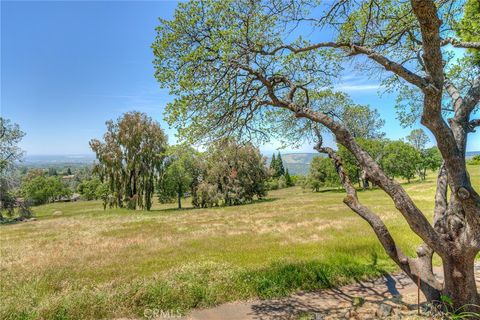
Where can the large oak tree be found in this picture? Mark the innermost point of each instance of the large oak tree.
(257, 68)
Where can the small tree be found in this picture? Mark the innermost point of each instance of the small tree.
(10, 153)
(180, 175)
(418, 139)
(280, 167)
(238, 170)
(288, 179)
(475, 160)
(400, 160)
(376, 148)
(273, 165)
(103, 192)
(322, 174)
(428, 159)
(42, 189)
(88, 188)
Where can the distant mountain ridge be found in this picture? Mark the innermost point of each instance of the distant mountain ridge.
(297, 163)
(57, 160)
(470, 154)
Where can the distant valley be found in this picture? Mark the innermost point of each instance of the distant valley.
(296, 163)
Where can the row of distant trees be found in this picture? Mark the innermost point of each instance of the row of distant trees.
(134, 162)
(399, 159)
(227, 173)
(280, 177)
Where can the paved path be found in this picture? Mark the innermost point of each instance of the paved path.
(396, 290)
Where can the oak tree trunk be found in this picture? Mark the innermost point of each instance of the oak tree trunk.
(459, 283)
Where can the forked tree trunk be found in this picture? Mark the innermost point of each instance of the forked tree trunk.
(459, 275)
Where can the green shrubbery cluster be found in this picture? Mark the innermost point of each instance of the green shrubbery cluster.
(397, 158)
(42, 189)
(227, 173)
(279, 176)
(475, 160)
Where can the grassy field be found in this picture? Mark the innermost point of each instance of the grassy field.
(80, 262)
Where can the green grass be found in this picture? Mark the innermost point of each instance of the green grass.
(89, 263)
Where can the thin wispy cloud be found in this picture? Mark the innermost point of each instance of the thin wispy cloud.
(357, 87)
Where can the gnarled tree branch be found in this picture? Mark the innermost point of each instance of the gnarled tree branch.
(417, 268)
(355, 49)
(460, 44)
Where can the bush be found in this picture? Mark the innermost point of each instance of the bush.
(207, 196)
(88, 189)
(322, 174)
(475, 161)
(43, 189)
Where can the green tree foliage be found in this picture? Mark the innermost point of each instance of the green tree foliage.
(88, 188)
(241, 68)
(280, 178)
(10, 137)
(276, 166)
(273, 165)
(475, 160)
(52, 172)
(418, 139)
(363, 121)
(469, 26)
(103, 192)
(400, 160)
(43, 189)
(130, 158)
(207, 195)
(374, 147)
(322, 174)
(366, 125)
(288, 179)
(280, 167)
(237, 171)
(10, 153)
(180, 175)
(397, 158)
(428, 159)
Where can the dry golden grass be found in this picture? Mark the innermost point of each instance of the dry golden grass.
(89, 263)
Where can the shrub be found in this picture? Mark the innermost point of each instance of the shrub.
(475, 160)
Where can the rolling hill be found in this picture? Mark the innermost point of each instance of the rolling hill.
(297, 163)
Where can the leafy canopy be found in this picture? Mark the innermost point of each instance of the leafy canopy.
(236, 67)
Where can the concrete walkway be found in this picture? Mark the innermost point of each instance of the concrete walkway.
(361, 300)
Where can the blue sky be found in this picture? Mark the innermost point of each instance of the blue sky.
(67, 67)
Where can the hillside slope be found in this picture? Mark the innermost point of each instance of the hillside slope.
(297, 163)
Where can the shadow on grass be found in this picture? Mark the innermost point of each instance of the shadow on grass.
(10, 221)
(282, 278)
(374, 187)
(379, 287)
(258, 201)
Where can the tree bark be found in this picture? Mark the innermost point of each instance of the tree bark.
(459, 285)
(179, 193)
(455, 236)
